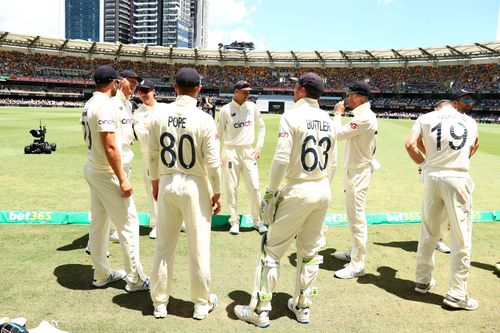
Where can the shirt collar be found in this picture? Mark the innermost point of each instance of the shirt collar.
(306, 100)
(235, 104)
(185, 100)
(361, 109)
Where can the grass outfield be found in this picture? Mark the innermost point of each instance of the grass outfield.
(46, 274)
(55, 182)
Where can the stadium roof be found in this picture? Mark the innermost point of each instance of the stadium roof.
(439, 53)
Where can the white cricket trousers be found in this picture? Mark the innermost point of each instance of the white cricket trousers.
(356, 183)
(192, 204)
(153, 207)
(238, 160)
(454, 196)
(107, 203)
(301, 212)
(127, 168)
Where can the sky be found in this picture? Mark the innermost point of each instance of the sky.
(302, 25)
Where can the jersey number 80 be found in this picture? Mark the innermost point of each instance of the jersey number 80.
(170, 149)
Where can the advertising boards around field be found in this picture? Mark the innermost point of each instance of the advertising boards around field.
(246, 221)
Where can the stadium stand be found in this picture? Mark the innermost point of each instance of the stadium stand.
(39, 71)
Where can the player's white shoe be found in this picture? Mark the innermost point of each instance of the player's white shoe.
(497, 266)
(344, 256)
(152, 233)
(140, 285)
(243, 312)
(348, 273)
(201, 311)
(302, 314)
(423, 288)
(235, 229)
(114, 276)
(160, 311)
(113, 237)
(469, 303)
(183, 227)
(260, 227)
(442, 247)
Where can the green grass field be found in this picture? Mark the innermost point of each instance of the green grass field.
(46, 274)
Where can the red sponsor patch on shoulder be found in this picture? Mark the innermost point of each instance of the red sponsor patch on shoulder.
(353, 125)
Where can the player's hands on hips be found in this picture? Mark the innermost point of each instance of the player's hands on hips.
(126, 189)
(217, 203)
(256, 154)
(339, 108)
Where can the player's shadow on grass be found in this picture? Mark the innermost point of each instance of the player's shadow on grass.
(225, 228)
(79, 277)
(486, 267)
(401, 288)
(141, 301)
(144, 231)
(279, 304)
(408, 246)
(330, 263)
(79, 243)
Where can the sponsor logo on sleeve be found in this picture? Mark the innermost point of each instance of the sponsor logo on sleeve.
(283, 134)
(105, 122)
(353, 125)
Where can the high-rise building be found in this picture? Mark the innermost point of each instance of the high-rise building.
(82, 19)
(199, 16)
(117, 21)
(146, 22)
(178, 23)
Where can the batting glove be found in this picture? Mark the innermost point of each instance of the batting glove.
(268, 206)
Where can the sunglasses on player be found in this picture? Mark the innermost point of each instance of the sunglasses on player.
(144, 90)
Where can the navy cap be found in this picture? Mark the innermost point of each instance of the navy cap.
(130, 73)
(312, 82)
(188, 77)
(360, 88)
(146, 84)
(461, 92)
(105, 74)
(242, 85)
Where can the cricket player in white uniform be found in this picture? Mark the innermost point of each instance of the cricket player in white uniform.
(450, 138)
(110, 189)
(185, 170)
(142, 121)
(122, 105)
(237, 123)
(358, 165)
(306, 156)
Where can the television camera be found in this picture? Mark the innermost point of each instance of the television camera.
(39, 145)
